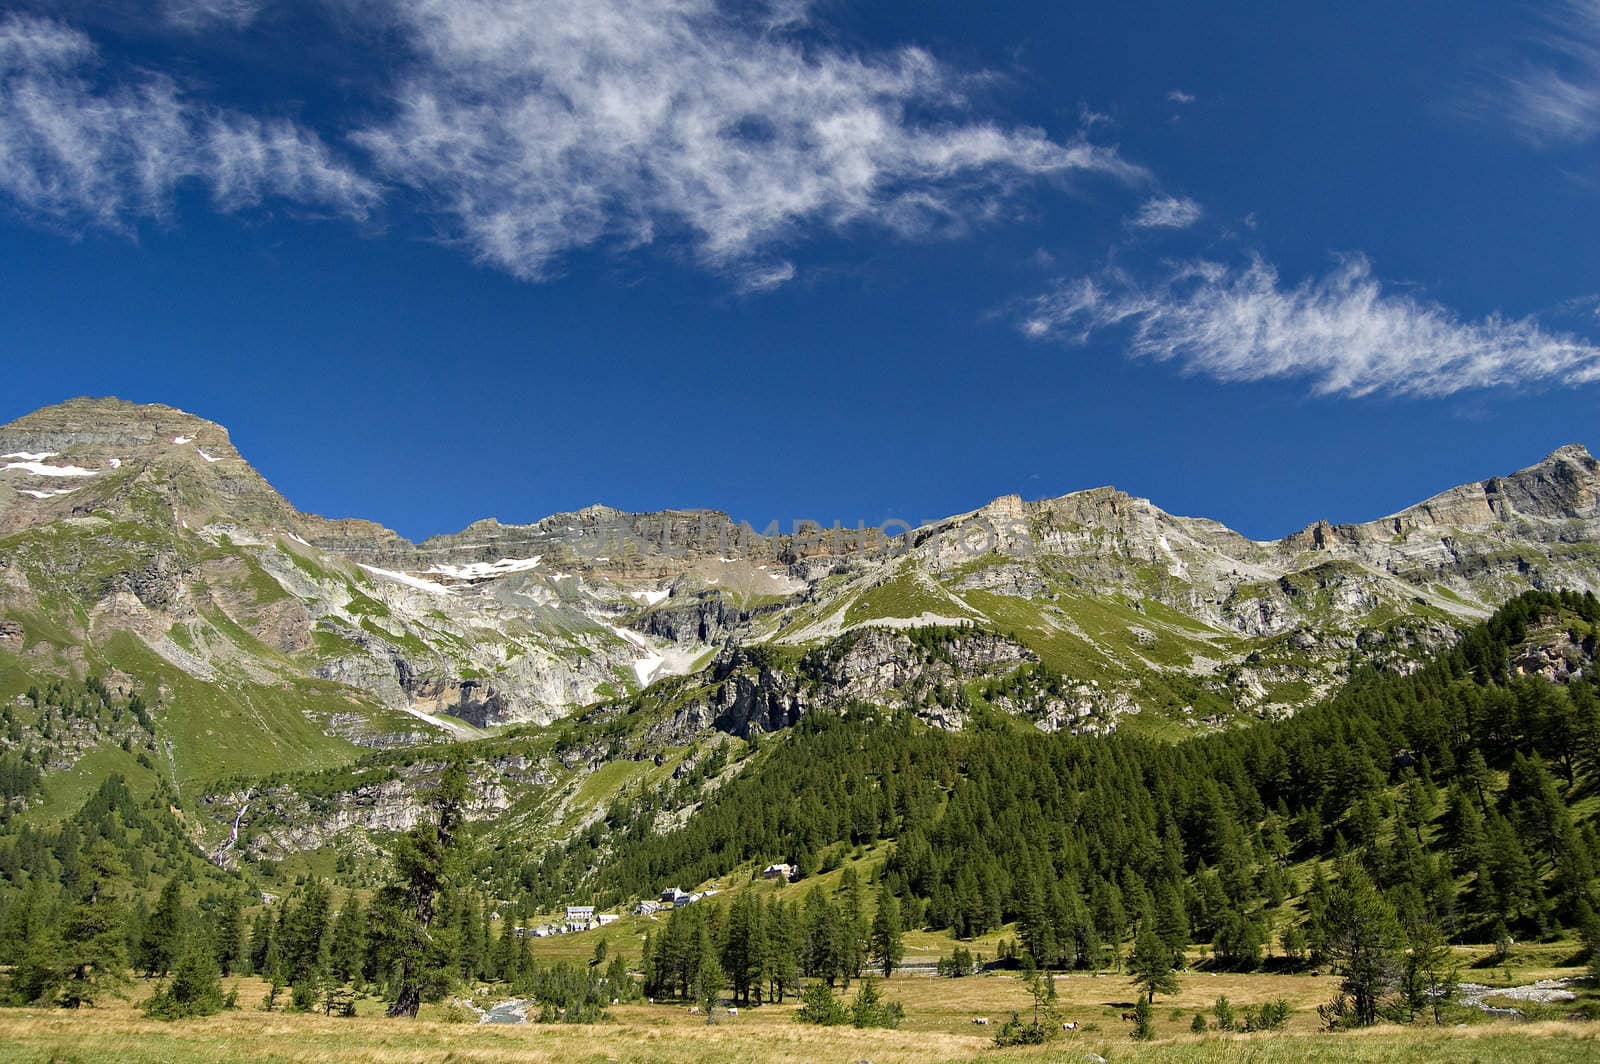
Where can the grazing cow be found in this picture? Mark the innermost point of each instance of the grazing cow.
(694, 1010)
(733, 1012)
(1071, 1026)
(982, 1021)
(1131, 1017)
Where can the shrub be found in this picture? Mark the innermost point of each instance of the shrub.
(870, 1010)
(1271, 1016)
(194, 990)
(1144, 1027)
(455, 1012)
(819, 1006)
(1014, 1032)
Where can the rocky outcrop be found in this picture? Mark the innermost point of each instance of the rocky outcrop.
(755, 689)
(704, 618)
(280, 820)
(1556, 654)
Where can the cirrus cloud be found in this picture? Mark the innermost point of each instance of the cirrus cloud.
(1556, 98)
(195, 15)
(1167, 212)
(537, 127)
(77, 148)
(1342, 332)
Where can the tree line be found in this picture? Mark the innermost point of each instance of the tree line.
(1451, 789)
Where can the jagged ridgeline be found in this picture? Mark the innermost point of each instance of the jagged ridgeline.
(138, 545)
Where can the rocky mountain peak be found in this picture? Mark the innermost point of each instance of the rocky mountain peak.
(106, 454)
(98, 422)
(1572, 452)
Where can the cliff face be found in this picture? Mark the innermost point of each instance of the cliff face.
(146, 521)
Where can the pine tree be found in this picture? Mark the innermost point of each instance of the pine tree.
(852, 926)
(1429, 977)
(822, 953)
(505, 954)
(1363, 940)
(1151, 965)
(742, 948)
(261, 935)
(887, 947)
(228, 935)
(425, 860)
(819, 1006)
(1144, 1028)
(304, 934)
(1172, 922)
(94, 957)
(708, 985)
(347, 951)
(780, 963)
(195, 988)
(163, 932)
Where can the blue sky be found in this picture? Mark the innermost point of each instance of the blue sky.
(436, 260)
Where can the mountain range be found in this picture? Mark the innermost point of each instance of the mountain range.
(138, 544)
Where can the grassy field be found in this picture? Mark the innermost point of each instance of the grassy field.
(121, 1034)
(938, 1028)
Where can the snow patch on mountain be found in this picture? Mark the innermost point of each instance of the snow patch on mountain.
(649, 598)
(458, 730)
(658, 662)
(39, 469)
(406, 578)
(487, 570)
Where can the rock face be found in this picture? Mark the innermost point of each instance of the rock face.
(150, 523)
(704, 618)
(753, 689)
(282, 821)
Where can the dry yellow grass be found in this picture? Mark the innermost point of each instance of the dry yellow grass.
(938, 1029)
(120, 1034)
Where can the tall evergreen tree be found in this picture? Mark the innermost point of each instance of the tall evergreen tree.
(347, 952)
(1151, 965)
(425, 860)
(1364, 940)
(163, 933)
(94, 957)
(887, 947)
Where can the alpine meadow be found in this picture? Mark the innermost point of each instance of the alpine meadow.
(660, 531)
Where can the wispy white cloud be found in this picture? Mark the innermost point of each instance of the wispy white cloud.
(204, 14)
(1178, 96)
(1167, 212)
(1342, 332)
(542, 126)
(1558, 99)
(78, 149)
(765, 277)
